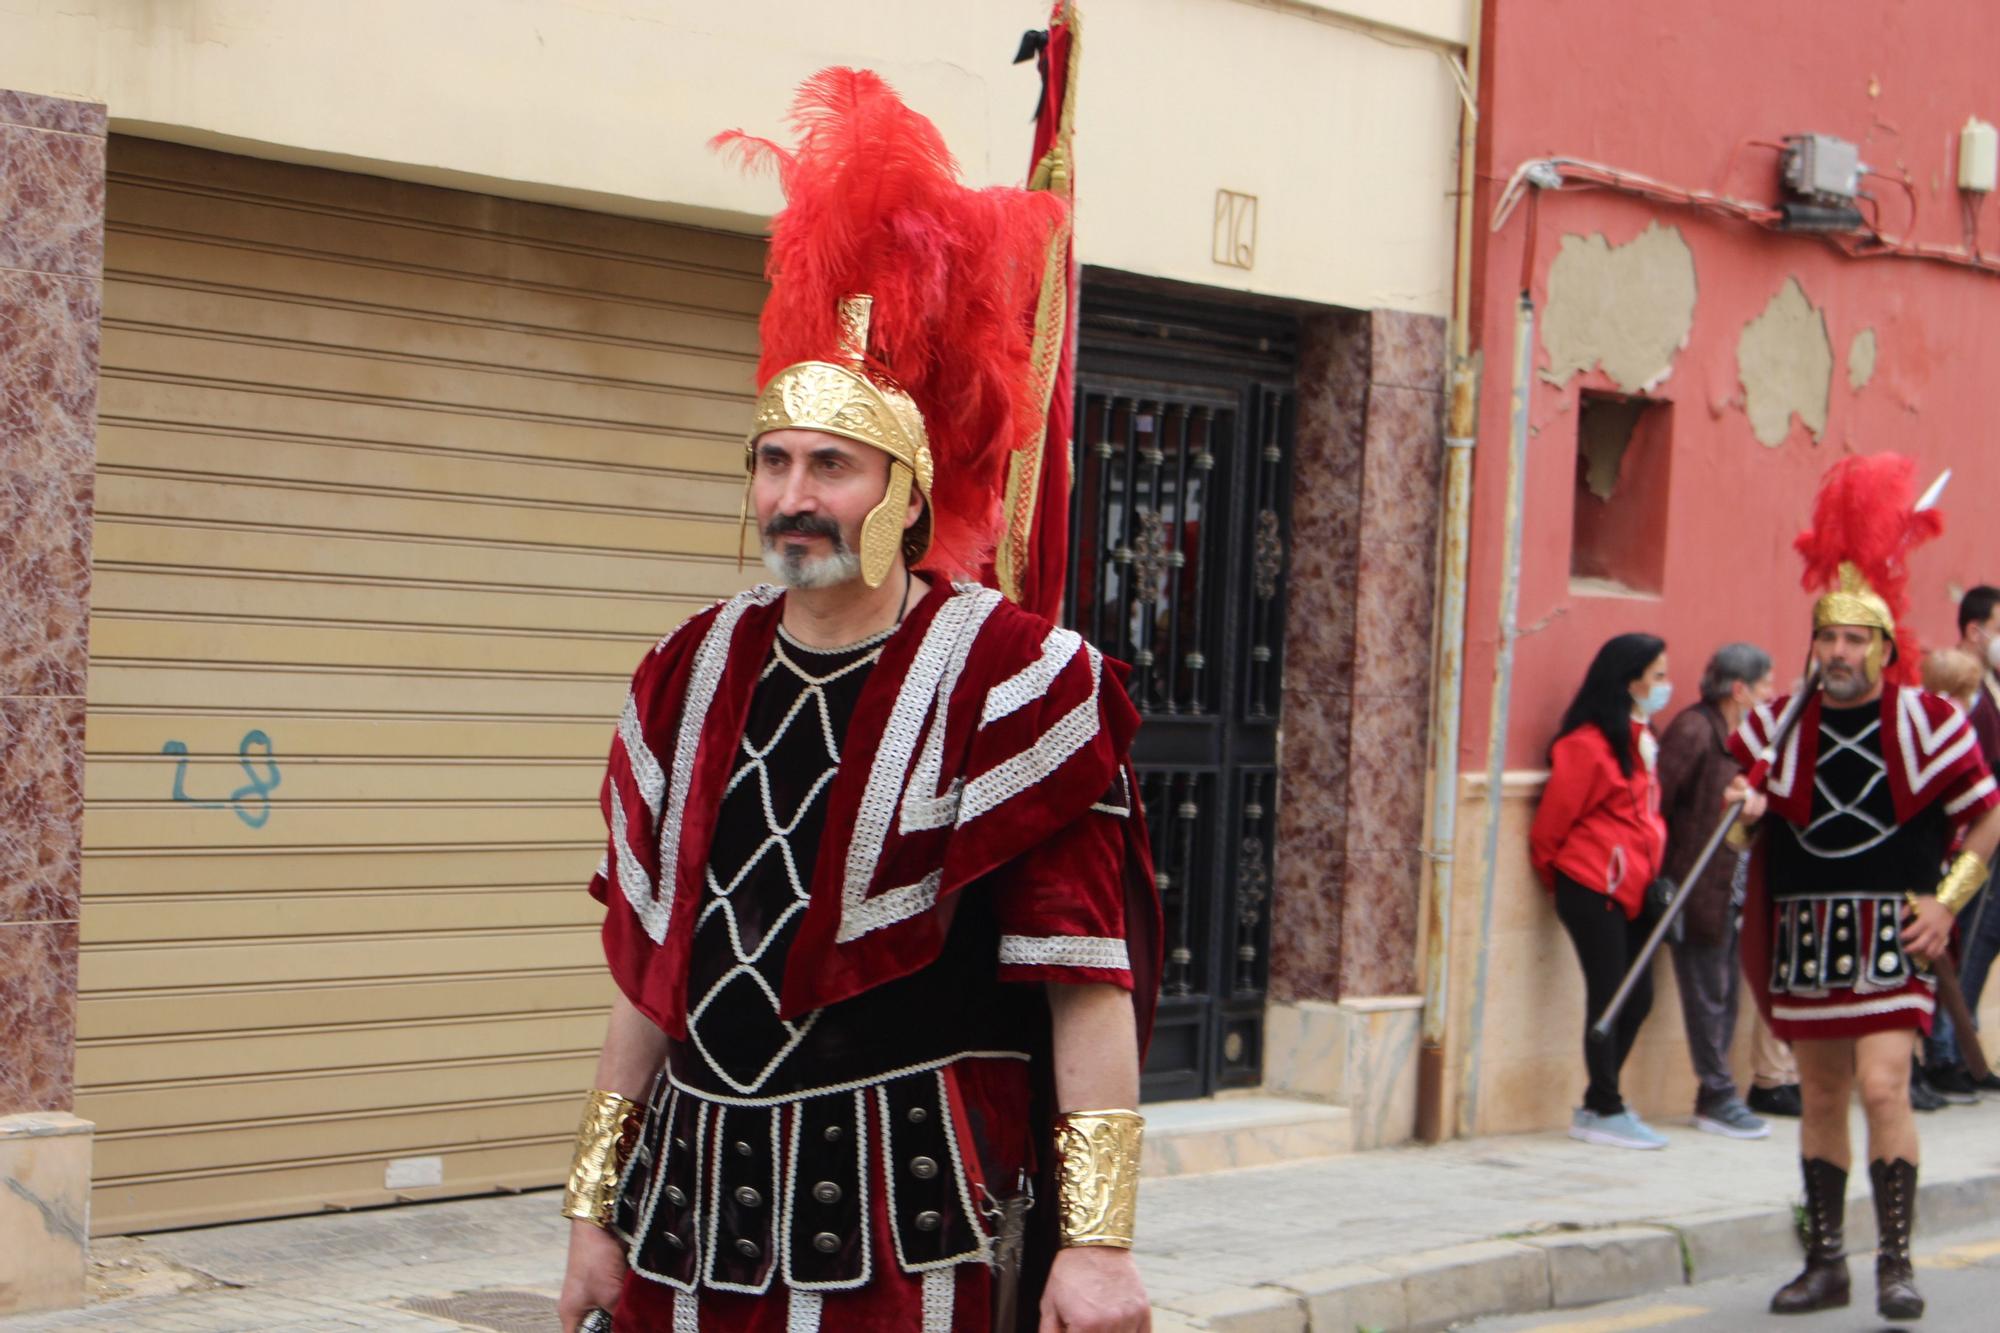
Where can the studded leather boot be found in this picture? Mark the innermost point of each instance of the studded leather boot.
(1895, 1185)
(1823, 1284)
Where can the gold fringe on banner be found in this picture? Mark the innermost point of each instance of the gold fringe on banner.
(1024, 469)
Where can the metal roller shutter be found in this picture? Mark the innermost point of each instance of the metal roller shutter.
(395, 485)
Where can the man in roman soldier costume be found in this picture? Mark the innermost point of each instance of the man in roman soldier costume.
(878, 900)
(1859, 807)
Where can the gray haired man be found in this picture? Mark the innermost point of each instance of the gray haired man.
(1695, 770)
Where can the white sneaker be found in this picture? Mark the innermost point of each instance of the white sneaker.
(1623, 1130)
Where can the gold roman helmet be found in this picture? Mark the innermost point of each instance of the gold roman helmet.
(841, 398)
(1853, 602)
(900, 315)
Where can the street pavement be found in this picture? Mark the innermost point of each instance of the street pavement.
(1404, 1237)
(1959, 1275)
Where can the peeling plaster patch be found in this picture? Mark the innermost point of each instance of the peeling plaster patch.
(1785, 362)
(1626, 308)
(1861, 360)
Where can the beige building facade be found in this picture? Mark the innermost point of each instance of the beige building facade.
(607, 105)
(425, 346)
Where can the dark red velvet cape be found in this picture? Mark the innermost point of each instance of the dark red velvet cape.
(982, 731)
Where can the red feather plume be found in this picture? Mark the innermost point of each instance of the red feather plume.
(873, 205)
(1864, 516)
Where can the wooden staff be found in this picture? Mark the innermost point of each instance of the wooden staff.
(1601, 1030)
(1952, 996)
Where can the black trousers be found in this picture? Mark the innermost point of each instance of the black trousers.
(1606, 943)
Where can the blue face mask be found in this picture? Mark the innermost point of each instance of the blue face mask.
(1656, 699)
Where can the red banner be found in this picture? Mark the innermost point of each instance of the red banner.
(1033, 557)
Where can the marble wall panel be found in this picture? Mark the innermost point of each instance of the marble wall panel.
(1393, 619)
(37, 1016)
(1326, 504)
(51, 259)
(1333, 385)
(1379, 1068)
(1314, 761)
(1305, 1050)
(1311, 846)
(1389, 676)
(1386, 762)
(1333, 389)
(1402, 465)
(1407, 350)
(48, 372)
(51, 201)
(1320, 606)
(36, 112)
(44, 1212)
(1379, 923)
(41, 809)
(45, 533)
(1364, 525)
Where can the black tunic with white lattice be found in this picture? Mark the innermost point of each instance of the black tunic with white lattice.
(757, 885)
(1854, 844)
(760, 868)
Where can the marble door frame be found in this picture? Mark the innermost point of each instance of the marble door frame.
(1353, 757)
(51, 284)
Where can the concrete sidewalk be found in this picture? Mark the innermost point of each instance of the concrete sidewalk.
(1421, 1238)
(1397, 1238)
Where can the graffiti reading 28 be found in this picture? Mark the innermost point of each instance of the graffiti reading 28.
(251, 802)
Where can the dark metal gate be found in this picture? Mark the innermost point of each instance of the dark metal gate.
(1179, 516)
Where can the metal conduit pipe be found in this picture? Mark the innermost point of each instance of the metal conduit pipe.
(1503, 687)
(1448, 642)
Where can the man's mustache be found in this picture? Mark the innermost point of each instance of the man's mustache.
(804, 525)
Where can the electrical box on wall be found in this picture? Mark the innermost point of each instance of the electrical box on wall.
(1822, 167)
(1978, 156)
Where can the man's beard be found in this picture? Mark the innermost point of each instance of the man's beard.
(792, 566)
(1844, 688)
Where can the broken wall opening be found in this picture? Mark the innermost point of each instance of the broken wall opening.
(1618, 533)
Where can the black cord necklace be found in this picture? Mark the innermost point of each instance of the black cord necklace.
(904, 609)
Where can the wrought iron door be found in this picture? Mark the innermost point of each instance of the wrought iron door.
(1179, 518)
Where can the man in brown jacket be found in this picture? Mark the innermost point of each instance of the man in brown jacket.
(1695, 770)
(1979, 937)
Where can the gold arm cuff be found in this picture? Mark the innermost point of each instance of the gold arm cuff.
(1097, 1176)
(1962, 882)
(604, 1139)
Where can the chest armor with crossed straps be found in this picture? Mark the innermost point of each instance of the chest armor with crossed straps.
(766, 1136)
(1838, 882)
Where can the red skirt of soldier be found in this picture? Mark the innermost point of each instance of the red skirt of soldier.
(1841, 1014)
(906, 1184)
(1832, 967)
(958, 1298)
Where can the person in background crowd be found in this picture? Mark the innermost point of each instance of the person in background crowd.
(1955, 674)
(1979, 639)
(1774, 1072)
(1938, 1078)
(1596, 843)
(1979, 936)
(1695, 769)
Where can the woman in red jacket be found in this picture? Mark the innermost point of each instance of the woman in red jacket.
(1597, 842)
